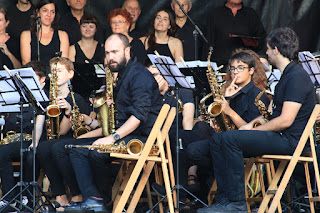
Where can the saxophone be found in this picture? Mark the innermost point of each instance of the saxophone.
(262, 109)
(106, 113)
(214, 110)
(53, 110)
(77, 126)
(12, 137)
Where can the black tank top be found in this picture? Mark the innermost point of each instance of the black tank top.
(162, 49)
(46, 51)
(98, 56)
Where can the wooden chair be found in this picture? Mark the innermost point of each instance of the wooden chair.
(277, 192)
(158, 134)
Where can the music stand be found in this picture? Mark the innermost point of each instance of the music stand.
(310, 64)
(171, 73)
(15, 84)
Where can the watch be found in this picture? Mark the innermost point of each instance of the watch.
(116, 136)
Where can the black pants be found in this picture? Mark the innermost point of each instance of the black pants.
(227, 152)
(92, 170)
(10, 153)
(54, 159)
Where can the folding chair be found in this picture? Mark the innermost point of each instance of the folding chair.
(277, 192)
(158, 134)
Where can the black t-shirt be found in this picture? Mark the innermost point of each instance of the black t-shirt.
(137, 94)
(138, 50)
(13, 121)
(185, 34)
(19, 21)
(222, 23)
(294, 86)
(243, 102)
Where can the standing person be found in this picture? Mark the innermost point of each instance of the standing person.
(292, 107)
(51, 40)
(233, 19)
(20, 15)
(163, 37)
(185, 29)
(133, 7)
(8, 45)
(87, 49)
(138, 102)
(120, 21)
(70, 22)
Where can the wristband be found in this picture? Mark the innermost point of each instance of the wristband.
(68, 116)
(90, 122)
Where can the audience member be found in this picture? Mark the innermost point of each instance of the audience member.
(133, 7)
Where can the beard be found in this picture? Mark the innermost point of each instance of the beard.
(119, 66)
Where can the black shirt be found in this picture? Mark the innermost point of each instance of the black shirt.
(295, 86)
(19, 21)
(13, 121)
(13, 47)
(222, 22)
(138, 50)
(185, 34)
(243, 102)
(137, 94)
(70, 24)
(98, 56)
(162, 49)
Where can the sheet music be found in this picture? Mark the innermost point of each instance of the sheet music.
(101, 73)
(168, 69)
(310, 64)
(275, 77)
(196, 64)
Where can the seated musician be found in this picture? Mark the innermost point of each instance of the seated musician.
(45, 150)
(10, 150)
(246, 78)
(293, 102)
(138, 101)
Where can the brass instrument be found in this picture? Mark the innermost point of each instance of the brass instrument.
(77, 126)
(106, 113)
(12, 137)
(214, 109)
(262, 109)
(53, 110)
(133, 147)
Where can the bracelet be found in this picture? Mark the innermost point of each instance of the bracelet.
(90, 122)
(68, 116)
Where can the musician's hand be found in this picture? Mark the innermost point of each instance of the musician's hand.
(247, 126)
(104, 141)
(232, 88)
(86, 119)
(4, 49)
(226, 109)
(109, 101)
(63, 104)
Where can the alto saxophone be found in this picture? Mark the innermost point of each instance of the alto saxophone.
(77, 126)
(53, 110)
(214, 110)
(262, 109)
(106, 113)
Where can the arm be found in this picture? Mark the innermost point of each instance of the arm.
(65, 123)
(187, 114)
(72, 53)
(13, 59)
(40, 119)
(64, 43)
(144, 42)
(177, 49)
(92, 134)
(128, 127)
(288, 114)
(25, 47)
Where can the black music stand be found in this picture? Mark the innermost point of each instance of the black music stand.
(176, 80)
(311, 65)
(14, 85)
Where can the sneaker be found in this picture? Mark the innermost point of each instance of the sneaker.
(231, 207)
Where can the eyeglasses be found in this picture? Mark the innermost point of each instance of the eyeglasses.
(118, 22)
(239, 69)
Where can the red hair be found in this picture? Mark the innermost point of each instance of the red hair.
(120, 12)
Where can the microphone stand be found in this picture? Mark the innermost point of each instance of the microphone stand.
(38, 23)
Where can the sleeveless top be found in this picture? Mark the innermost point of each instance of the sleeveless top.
(162, 49)
(46, 51)
(13, 47)
(98, 56)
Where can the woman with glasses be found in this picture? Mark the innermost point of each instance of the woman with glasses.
(87, 49)
(246, 78)
(120, 21)
(163, 37)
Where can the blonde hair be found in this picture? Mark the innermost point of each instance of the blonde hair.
(63, 61)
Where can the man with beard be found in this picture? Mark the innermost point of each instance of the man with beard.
(292, 107)
(138, 102)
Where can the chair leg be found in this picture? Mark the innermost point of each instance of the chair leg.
(309, 187)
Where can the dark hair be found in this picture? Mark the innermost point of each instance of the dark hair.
(120, 12)
(286, 40)
(5, 13)
(89, 19)
(41, 3)
(171, 32)
(243, 57)
(123, 38)
(38, 67)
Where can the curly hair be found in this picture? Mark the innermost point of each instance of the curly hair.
(120, 12)
(259, 76)
(41, 3)
(171, 32)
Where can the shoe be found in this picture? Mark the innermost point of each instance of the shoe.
(231, 207)
(92, 204)
(193, 187)
(219, 204)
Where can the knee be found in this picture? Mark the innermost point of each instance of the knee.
(100, 158)
(43, 151)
